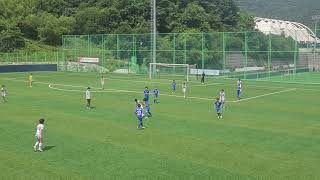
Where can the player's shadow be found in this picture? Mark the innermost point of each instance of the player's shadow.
(47, 148)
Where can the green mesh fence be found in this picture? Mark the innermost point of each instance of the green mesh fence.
(246, 55)
(31, 58)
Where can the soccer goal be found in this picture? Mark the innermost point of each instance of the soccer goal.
(182, 71)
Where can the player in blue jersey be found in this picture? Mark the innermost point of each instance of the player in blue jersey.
(239, 88)
(155, 95)
(147, 106)
(218, 106)
(139, 114)
(173, 86)
(146, 93)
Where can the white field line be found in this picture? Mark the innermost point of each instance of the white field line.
(136, 92)
(51, 86)
(211, 84)
(147, 81)
(263, 95)
(119, 91)
(169, 81)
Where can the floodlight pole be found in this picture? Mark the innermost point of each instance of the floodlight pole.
(153, 31)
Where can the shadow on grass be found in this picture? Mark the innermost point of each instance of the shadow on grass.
(47, 148)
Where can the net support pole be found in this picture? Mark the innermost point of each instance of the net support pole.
(88, 55)
(174, 52)
(75, 49)
(185, 48)
(246, 54)
(223, 53)
(269, 55)
(103, 51)
(188, 70)
(118, 45)
(315, 43)
(202, 51)
(295, 56)
(150, 70)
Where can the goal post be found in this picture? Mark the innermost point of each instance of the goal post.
(172, 69)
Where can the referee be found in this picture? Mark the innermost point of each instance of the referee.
(202, 77)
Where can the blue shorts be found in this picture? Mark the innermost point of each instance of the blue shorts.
(218, 110)
(139, 119)
(238, 92)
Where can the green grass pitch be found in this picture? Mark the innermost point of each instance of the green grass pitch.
(274, 133)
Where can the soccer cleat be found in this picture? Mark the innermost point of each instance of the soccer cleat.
(35, 148)
(40, 150)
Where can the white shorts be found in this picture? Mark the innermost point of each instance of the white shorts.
(221, 100)
(184, 90)
(38, 136)
(3, 94)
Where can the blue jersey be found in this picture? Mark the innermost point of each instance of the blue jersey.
(218, 106)
(173, 85)
(139, 112)
(156, 92)
(146, 93)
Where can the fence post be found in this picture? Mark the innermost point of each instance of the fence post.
(103, 51)
(269, 55)
(174, 52)
(224, 53)
(75, 49)
(7, 58)
(118, 47)
(202, 51)
(246, 54)
(88, 46)
(295, 56)
(185, 49)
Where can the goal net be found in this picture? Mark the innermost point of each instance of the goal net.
(172, 71)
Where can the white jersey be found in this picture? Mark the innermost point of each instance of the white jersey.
(184, 87)
(239, 85)
(102, 81)
(39, 130)
(222, 96)
(88, 94)
(3, 92)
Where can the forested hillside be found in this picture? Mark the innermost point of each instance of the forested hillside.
(294, 10)
(30, 24)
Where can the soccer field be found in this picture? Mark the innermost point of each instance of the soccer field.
(272, 133)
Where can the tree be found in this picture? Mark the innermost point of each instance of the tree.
(193, 17)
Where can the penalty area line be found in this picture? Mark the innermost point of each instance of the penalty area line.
(263, 95)
(51, 86)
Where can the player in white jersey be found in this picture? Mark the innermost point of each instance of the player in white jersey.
(222, 96)
(239, 88)
(39, 136)
(102, 81)
(88, 98)
(3, 93)
(184, 89)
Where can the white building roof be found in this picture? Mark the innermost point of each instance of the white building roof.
(296, 31)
